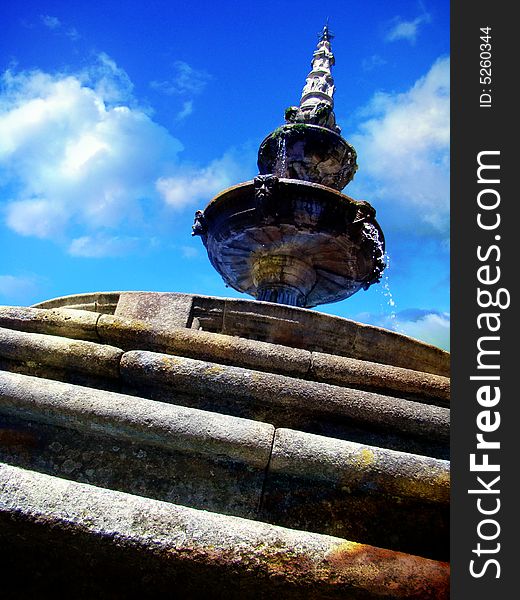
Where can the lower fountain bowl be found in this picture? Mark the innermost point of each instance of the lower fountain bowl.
(291, 241)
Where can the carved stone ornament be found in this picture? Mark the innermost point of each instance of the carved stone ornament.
(365, 213)
(199, 224)
(265, 186)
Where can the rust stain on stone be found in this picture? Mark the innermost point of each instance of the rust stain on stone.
(401, 575)
(15, 437)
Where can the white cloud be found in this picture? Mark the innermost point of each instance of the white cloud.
(100, 246)
(73, 34)
(432, 327)
(80, 160)
(406, 30)
(199, 185)
(14, 288)
(187, 109)
(184, 80)
(50, 21)
(110, 82)
(38, 217)
(373, 62)
(54, 24)
(190, 252)
(403, 152)
(71, 155)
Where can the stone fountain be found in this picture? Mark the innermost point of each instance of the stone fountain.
(290, 236)
(152, 441)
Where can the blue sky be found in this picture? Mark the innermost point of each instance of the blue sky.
(119, 119)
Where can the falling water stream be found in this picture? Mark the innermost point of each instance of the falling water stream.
(280, 168)
(388, 304)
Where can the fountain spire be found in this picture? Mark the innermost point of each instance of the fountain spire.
(316, 102)
(319, 86)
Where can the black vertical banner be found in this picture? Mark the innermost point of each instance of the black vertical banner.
(485, 424)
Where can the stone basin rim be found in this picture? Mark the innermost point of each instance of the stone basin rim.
(306, 126)
(291, 182)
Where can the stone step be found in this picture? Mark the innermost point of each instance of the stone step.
(132, 334)
(277, 398)
(40, 351)
(106, 542)
(282, 400)
(135, 419)
(275, 323)
(225, 464)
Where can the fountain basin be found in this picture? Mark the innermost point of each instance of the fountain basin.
(292, 241)
(309, 153)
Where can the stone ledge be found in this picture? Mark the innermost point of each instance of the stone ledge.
(134, 334)
(275, 323)
(36, 349)
(343, 371)
(360, 468)
(203, 481)
(159, 372)
(100, 302)
(131, 334)
(136, 419)
(75, 324)
(233, 557)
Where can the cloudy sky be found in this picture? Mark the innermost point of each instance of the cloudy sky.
(119, 119)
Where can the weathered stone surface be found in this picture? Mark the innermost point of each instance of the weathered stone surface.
(100, 302)
(39, 351)
(164, 309)
(318, 332)
(216, 382)
(340, 370)
(103, 532)
(391, 499)
(76, 324)
(292, 368)
(277, 324)
(312, 153)
(361, 468)
(208, 482)
(225, 349)
(136, 419)
(328, 252)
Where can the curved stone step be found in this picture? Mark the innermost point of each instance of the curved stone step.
(97, 533)
(222, 463)
(274, 323)
(168, 426)
(164, 375)
(133, 334)
(41, 350)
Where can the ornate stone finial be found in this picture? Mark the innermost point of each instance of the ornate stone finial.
(326, 35)
(316, 103)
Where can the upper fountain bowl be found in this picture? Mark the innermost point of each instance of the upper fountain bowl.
(308, 153)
